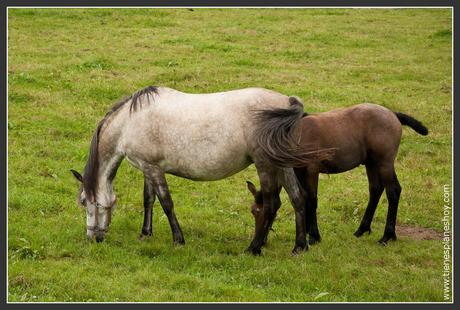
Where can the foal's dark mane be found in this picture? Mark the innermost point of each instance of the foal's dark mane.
(92, 165)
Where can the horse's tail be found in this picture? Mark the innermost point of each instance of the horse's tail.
(412, 122)
(275, 138)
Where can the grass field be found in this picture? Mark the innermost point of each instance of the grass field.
(66, 67)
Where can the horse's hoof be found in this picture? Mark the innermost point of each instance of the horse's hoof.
(384, 240)
(179, 242)
(298, 250)
(253, 251)
(314, 240)
(264, 242)
(143, 235)
(361, 232)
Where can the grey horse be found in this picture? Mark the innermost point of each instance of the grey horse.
(200, 137)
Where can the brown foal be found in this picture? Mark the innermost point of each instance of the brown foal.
(364, 134)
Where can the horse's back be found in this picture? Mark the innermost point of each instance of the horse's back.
(246, 97)
(199, 136)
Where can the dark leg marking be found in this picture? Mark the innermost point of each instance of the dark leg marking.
(271, 203)
(149, 199)
(297, 196)
(272, 219)
(161, 189)
(311, 206)
(375, 191)
(393, 191)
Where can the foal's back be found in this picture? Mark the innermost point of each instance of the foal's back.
(359, 133)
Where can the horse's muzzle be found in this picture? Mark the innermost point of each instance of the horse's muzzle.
(99, 238)
(98, 235)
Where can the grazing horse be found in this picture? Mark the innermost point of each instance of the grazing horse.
(200, 137)
(364, 134)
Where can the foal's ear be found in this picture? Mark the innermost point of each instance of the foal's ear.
(77, 175)
(252, 188)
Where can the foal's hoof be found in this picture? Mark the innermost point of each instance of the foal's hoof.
(314, 240)
(253, 251)
(361, 231)
(387, 238)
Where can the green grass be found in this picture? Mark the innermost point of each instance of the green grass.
(67, 66)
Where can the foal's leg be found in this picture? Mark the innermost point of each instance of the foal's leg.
(297, 196)
(158, 182)
(375, 191)
(149, 199)
(311, 206)
(393, 191)
(271, 203)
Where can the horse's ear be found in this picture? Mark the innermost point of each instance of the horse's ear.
(252, 188)
(77, 175)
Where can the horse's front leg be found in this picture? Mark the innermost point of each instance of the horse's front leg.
(149, 199)
(157, 179)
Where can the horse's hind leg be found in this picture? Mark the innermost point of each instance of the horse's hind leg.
(375, 191)
(297, 196)
(271, 203)
(158, 182)
(270, 224)
(393, 191)
(149, 199)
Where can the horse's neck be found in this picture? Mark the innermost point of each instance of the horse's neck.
(109, 158)
(107, 171)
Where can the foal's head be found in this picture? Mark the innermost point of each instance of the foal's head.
(98, 213)
(257, 208)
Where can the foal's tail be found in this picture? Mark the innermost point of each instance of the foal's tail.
(275, 137)
(412, 122)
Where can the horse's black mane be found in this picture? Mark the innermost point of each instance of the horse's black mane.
(135, 97)
(92, 165)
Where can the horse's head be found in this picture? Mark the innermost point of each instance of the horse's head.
(98, 212)
(257, 207)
